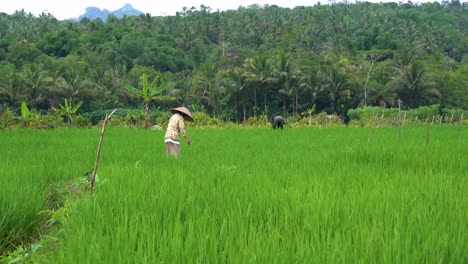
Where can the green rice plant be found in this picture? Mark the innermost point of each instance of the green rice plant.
(257, 195)
(320, 195)
(34, 164)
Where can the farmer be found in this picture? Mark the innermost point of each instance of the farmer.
(277, 121)
(176, 125)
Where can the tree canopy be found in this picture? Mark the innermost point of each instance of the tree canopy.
(256, 59)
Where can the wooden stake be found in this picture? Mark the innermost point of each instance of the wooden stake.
(399, 131)
(427, 131)
(93, 176)
(459, 125)
(373, 126)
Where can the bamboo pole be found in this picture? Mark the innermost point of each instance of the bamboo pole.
(96, 163)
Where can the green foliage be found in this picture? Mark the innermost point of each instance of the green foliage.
(150, 92)
(68, 110)
(59, 43)
(25, 113)
(264, 59)
(8, 118)
(204, 120)
(365, 117)
(425, 112)
(258, 121)
(163, 119)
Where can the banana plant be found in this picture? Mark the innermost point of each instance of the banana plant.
(30, 117)
(195, 108)
(25, 113)
(149, 92)
(310, 111)
(68, 109)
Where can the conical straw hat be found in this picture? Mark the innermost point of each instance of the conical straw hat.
(185, 113)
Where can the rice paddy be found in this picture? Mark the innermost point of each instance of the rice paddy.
(315, 195)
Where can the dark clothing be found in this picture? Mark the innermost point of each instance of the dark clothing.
(277, 121)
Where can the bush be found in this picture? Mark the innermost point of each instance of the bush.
(366, 116)
(424, 112)
(163, 119)
(8, 118)
(258, 121)
(454, 115)
(81, 121)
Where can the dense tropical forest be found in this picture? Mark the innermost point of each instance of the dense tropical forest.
(240, 63)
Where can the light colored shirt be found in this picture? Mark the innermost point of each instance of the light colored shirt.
(176, 125)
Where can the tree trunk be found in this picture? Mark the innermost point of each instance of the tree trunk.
(245, 114)
(255, 97)
(297, 100)
(235, 109)
(284, 106)
(146, 115)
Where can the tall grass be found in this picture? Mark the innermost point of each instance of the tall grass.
(258, 195)
(33, 164)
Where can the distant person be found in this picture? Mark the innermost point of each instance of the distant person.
(277, 121)
(176, 125)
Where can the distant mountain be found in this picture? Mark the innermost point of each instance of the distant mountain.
(94, 12)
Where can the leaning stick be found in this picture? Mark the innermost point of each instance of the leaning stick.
(93, 176)
(399, 130)
(459, 125)
(428, 127)
(373, 127)
(427, 132)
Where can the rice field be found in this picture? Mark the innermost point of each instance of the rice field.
(317, 195)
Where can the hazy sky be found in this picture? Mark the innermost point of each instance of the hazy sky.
(64, 9)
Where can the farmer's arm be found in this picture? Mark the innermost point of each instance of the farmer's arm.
(182, 130)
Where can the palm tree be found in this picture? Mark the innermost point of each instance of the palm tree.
(109, 86)
(205, 85)
(412, 84)
(149, 92)
(336, 86)
(12, 86)
(72, 85)
(35, 80)
(233, 83)
(380, 94)
(311, 80)
(258, 70)
(287, 77)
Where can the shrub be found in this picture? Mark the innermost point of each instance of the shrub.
(81, 121)
(8, 118)
(258, 121)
